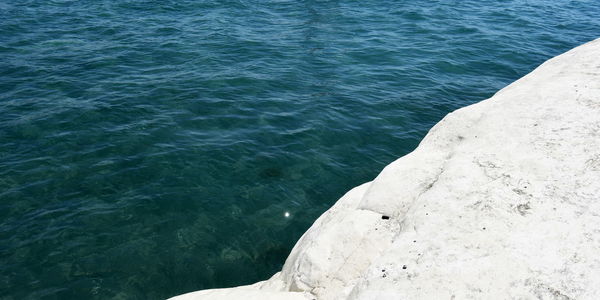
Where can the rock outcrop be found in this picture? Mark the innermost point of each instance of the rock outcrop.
(501, 200)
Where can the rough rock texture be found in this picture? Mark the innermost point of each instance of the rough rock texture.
(501, 200)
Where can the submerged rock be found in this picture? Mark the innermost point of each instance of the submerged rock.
(501, 200)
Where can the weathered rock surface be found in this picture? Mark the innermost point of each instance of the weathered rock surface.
(501, 200)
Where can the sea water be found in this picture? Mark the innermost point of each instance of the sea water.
(150, 148)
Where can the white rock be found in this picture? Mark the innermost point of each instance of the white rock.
(501, 200)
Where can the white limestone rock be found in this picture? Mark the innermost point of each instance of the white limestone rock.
(501, 200)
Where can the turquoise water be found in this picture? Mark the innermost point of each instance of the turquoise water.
(152, 148)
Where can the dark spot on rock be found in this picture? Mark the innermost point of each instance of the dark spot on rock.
(404, 267)
(427, 214)
(414, 241)
(483, 228)
(383, 270)
(519, 191)
(460, 137)
(385, 217)
(523, 208)
(384, 275)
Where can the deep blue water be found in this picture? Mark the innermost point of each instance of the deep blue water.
(151, 148)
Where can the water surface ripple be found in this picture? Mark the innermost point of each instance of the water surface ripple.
(150, 148)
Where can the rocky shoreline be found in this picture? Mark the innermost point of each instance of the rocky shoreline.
(500, 200)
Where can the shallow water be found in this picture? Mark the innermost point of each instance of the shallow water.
(151, 148)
